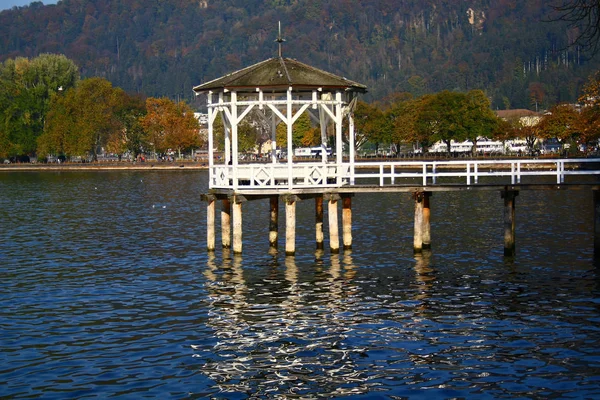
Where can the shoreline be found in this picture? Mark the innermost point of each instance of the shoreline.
(115, 166)
(190, 166)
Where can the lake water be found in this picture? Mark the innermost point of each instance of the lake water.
(107, 291)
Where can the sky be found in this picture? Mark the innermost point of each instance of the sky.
(7, 4)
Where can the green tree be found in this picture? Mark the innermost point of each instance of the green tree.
(131, 138)
(247, 137)
(371, 125)
(26, 90)
(301, 128)
(219, 133)
(442, 117)
(478, 118)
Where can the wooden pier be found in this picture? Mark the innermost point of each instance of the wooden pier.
(457, 178)
(278, 91)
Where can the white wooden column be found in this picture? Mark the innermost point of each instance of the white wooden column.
(323, 117)
(338, 136)
(212, 114)
(273, 136)
(227, 144)
(234, 138)
(352, 144)
(290, 149)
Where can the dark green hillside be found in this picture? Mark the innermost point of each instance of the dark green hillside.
(164, 47)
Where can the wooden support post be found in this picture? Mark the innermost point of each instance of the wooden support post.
(273, 221)
(334, 236)
(418, 236)
(319, 221)
(210, 223)
(347, 221)
(509, 221)
(290, 225)
(597, 223)
(237, 225)
(226, 223)
(426, 221)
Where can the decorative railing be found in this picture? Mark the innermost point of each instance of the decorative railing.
(421, 173)
(270, 176)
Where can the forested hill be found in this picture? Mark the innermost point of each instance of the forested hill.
(164, 47)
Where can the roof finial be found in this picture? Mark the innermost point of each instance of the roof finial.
(279, 39)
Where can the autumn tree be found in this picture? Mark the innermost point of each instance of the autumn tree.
(590, 114)
(171, 125)
(506, 129)
(561, 122)
(516, 128)
(81, 121)
(404, 115)
(301, 127)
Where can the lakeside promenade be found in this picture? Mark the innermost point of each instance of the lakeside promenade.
(121, 165)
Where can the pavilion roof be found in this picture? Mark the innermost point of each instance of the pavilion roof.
(280, 72)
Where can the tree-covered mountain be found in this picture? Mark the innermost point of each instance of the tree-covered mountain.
(511, 49)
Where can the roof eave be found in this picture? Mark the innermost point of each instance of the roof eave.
(205, 88)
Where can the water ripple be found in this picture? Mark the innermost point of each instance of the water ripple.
(107, 292)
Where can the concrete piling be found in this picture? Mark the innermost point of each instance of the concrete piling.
(319, 236)
(290, 225)
(237, 224)
(273, 221)
(418, 224)
(347, 221)
(210, 223)
(334, 236)
(226, 223)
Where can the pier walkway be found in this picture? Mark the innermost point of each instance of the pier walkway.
(339, 182)
(299, 177)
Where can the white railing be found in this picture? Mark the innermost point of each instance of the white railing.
(281, 176)
(421, 173)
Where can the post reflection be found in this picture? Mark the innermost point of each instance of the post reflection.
(284, 333)
(424, 278)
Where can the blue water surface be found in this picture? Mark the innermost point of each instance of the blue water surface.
(108, 292)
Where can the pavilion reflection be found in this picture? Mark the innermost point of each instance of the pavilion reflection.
(284, 333)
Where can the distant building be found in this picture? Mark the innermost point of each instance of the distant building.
(526, 117)
(202, 118)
